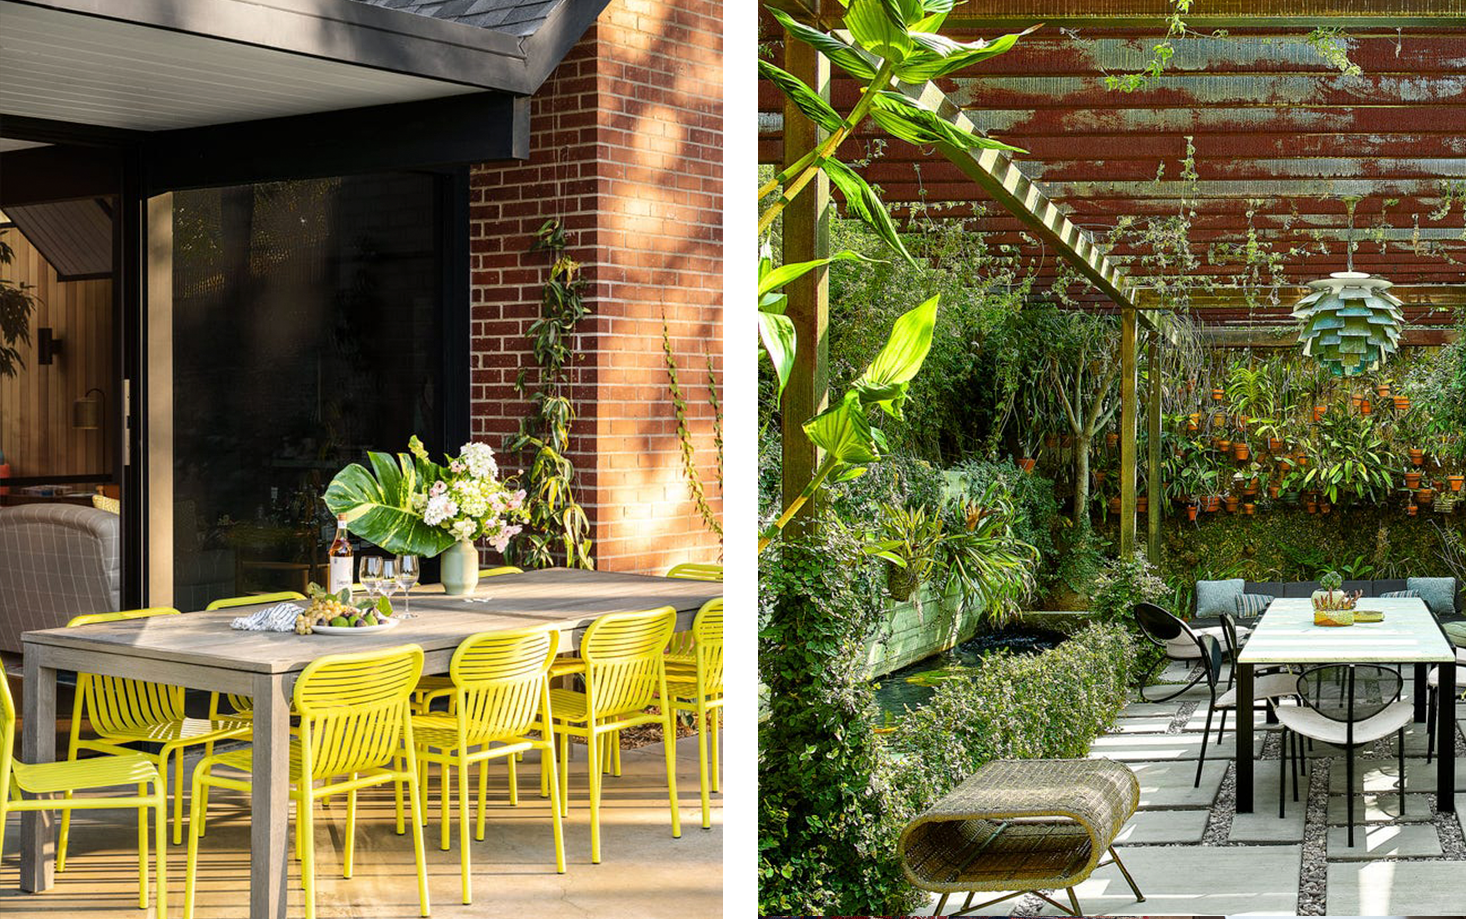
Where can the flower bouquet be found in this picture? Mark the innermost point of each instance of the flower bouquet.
(410, 505)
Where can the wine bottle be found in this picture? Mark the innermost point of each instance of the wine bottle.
(342, 567)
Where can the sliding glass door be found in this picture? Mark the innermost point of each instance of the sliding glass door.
(303, 326)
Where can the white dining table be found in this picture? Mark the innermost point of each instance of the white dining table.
(1409, 634)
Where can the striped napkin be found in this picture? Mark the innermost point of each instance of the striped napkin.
(278, 618)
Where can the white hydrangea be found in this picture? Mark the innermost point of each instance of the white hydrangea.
(479, 458)
(463, 529)
(439, 508)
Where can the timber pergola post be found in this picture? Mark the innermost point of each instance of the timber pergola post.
(1128, 458)
(806, 236)
(1153, 451)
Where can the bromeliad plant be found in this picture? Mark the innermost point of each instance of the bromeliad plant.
(411, 505)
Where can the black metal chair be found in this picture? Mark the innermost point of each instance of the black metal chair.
(1433, 686)
(1347, 705)
(1163, 628)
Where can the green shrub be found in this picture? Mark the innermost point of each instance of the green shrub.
(1016, 706)
(827, 822)
(1124, 582)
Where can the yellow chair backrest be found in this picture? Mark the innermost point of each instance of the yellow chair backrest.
(696, 571)
(502, 569)
(623, 658)
(354, 708)
(115, 704)
(7, 733)
(707, 632)
(231, 602)
(501, 679)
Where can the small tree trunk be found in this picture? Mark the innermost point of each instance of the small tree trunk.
(1081, 477)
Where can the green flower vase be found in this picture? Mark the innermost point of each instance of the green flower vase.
(460, 568)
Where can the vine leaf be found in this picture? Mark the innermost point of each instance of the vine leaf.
(379, 506)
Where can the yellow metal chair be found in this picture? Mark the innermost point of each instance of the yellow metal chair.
(501, 691)
(244, 705)
(431, 688)
(17, 778)
(355, 720)
(126, 711)
(679, 650)
(702, 694)
(623, 667)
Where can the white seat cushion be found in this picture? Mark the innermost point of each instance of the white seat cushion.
(1267, 686)
(1182, 648)
(1310, 723)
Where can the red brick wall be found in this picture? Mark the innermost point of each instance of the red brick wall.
(626, 151)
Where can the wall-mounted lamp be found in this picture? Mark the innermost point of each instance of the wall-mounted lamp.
(47, 345)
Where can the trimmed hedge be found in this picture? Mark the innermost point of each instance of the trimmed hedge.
(1016, 706)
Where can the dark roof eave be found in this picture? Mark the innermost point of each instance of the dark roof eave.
(361, 34)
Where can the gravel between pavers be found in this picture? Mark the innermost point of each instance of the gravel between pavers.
(1313, 875)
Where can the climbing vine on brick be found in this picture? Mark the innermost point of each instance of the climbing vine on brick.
(558, 531)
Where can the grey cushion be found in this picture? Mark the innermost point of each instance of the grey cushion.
(56, 561)
(1399, 594)
(1439, 594)
(1456, 632)
(1216, 597)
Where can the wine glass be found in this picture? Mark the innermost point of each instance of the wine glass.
(407, 575)
(371, 574)
(389, 578)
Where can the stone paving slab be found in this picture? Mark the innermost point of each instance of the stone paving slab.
(1196, 880)
(1395, 888)
(1164, 826)
(1379, 808)
(1154, 724)
(1381, 775)
(1264, 824)
(1197, 721)
(1169, 784)
(1150, 709)
(1374, 841)
(1142, 747)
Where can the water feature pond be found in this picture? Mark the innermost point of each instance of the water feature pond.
(912, 685)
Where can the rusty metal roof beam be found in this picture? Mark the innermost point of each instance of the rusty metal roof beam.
(1216, 14)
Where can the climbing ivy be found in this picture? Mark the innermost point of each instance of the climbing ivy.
(558, 531)
(684, 435)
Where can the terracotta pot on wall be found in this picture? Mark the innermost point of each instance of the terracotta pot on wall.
(1192, 426)
(1312, 506)
(1411, 510)
(1231, 504)
(1417, 457)
(1191, 510)
(1301, 459)
(1241, 451)
(1213, 503)
(1099, 478)
(1115, 505)
(1402, 403)
(1356, 401)
(1223, 444)
(1217, 393)
(1142, 504)
(1111, 439)
(1383, 391)
(1318, 412)
(1249, 509)
(1027, 463)
(1242, 422)
(1273, 491)
(1324, 507)
(1425, 496)
(1365, 408)
(1275, 445)
(1412, 480)
(1456, 481)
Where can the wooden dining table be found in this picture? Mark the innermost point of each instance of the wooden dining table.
(200, 651)
(1409, 634)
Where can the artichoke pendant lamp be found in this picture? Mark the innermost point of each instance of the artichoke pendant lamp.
(1351, 323)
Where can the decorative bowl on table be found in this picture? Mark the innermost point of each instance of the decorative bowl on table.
(1369, 615)
(1332, 606)
(384, 623)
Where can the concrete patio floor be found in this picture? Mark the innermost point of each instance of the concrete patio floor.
(1191, 853)
(644, 872)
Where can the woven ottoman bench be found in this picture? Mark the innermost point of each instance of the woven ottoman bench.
(1022, 826)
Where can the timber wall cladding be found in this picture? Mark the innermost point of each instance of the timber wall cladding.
(626, 151)
(35, 405)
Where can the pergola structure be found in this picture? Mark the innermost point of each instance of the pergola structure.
(1251, 130)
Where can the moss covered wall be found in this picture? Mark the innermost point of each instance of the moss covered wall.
(914, 631)
(1287, 543)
